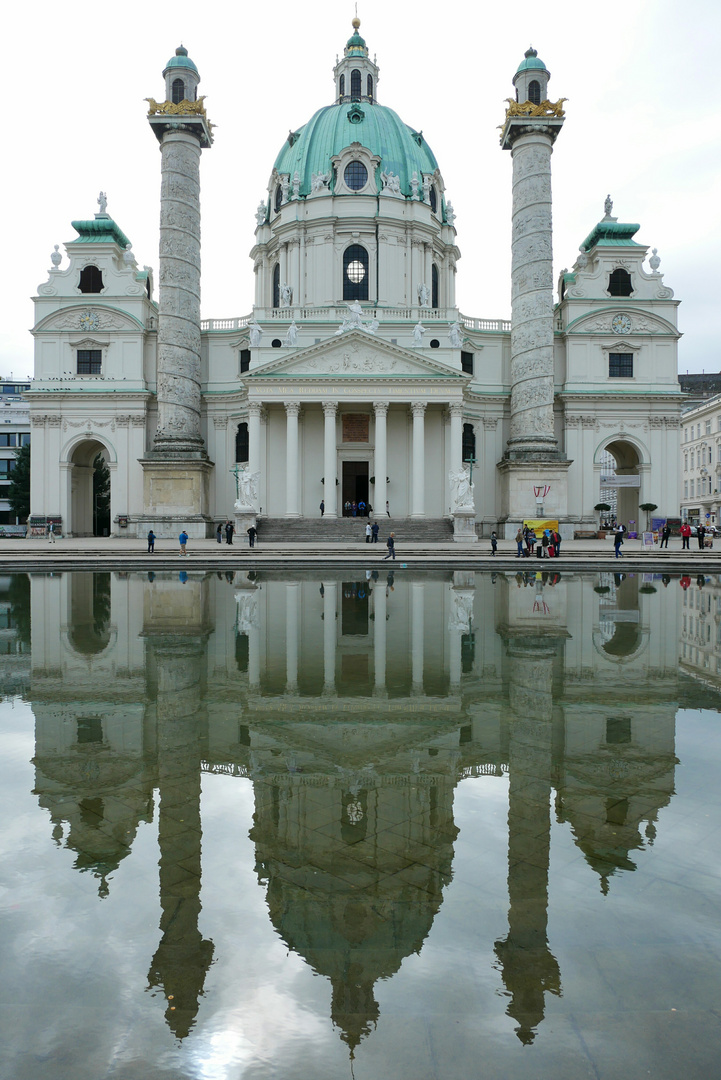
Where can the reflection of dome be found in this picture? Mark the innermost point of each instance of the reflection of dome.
(376, 127)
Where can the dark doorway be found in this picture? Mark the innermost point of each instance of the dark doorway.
(355, 483)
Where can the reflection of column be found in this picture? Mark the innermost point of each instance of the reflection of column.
(380, 494)
(329, 636)
(379, 638)
(330, 496)
(418, 409)
(291, 636)
(417, 627)
(292, 409)
(456, 440)
(529, 967)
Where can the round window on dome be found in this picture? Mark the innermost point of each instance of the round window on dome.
(355, 175)
(356, 271)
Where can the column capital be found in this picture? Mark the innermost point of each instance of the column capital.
(330, 408)
(255, 408)
(292, 408)
(381, 407)
(455, 408)
(418, 408)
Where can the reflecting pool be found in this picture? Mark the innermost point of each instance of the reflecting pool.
(372, 825)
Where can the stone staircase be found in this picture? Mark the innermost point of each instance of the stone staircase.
(352, 530)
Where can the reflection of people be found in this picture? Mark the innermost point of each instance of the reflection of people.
(388, 508)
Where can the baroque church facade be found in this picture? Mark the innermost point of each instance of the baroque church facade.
(355, 377)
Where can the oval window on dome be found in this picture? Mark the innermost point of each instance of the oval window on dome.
(355, 175)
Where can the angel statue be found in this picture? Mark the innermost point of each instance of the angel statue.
(461, 489)
(102, 202)
(247, 488)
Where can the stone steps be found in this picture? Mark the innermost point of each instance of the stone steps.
(350, 530)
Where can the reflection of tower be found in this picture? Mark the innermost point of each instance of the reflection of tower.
(177, 638)
(529, 967)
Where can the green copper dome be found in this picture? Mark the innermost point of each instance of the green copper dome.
(356, 46)
(181, 60)
(531, 62)
(402, 150)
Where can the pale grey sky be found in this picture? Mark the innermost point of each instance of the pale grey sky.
(643, 123)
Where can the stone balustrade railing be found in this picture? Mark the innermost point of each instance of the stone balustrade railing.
(337, 313)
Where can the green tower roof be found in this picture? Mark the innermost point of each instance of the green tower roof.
(181, 60)
(376, 127)
(611, 234)
(356, 46)
(531, 62)
(100, 230)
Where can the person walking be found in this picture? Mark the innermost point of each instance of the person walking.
(229, 530)
(617, 541)
(665, 534)
(219, 533)
(151, 542)
(183, 540)
(375, 529)
(388, 508)
(369, 532)
(700, 533)
(494, 543)
(557, 542)
(51, 533)
(519, 544)
(685, 535)
(252, 533)
(322, 507)
(391, 545)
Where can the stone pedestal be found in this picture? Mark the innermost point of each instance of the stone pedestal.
(175, 497)
(518, 497)
(464, 526)
(243, 518)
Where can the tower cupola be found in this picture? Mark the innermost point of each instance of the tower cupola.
(181, 78)
(356, 75)
(531, 79)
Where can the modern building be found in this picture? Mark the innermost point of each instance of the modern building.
(14, 433)
(355, 377)
(701, 462)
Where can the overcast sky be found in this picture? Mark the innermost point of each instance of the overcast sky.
(642, 123)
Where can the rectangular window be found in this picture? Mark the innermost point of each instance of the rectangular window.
(685, 489)
(693, 459)
(244, 360)
(89, 361)
(8, 438)
(685, 462)
(25, 439)
(467, 362)
(693, 491)
(708, 427)
(7, 465)
(620, 365)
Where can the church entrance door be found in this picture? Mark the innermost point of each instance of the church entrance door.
(355, 483)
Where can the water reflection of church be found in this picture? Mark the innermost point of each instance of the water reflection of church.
(355, 707)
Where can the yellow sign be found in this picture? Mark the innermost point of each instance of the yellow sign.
(539, 526)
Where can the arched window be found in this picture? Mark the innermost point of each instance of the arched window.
(91, 280)
(534, 92)
(469, 442)
(278, 198)
(619, 283)
(355, 85)
(355, 273)
(434, 286)
(244, 361)
(178, 91)
(370, 88)
(434, 199)
(276, 285)
(341, 86)
(241, 443)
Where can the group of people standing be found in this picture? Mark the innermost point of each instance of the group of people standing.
(549, 546)
(228, 529)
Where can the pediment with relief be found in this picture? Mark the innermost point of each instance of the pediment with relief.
(84, 318)
(360, 356)
(620, 322)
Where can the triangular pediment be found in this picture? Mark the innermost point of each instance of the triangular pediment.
(88, 317)
(357, 355)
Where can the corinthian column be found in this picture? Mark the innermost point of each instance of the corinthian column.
(418, 409)
(330, 497)
(292, 411)
(380, 458)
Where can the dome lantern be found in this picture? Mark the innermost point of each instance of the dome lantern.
(531, 79)
(356, 75)
(181, 77)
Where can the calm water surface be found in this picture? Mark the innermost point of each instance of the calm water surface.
(451, 826)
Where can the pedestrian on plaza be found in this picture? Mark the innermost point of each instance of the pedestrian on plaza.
(361, 509)
(545, 542)
(375, 529)
(685, 534)
(494, 543)
(252, 533)
(391, 545)
(354, 509)
(388, 509)
(346, 508)
(665, 533)
(219, 533)
(151, 542)
(51, 533)
(369, 532)
(229, 530)
(700, 533)
(557, 542)
(322, 507)
(183, 540)
(519, 544)
(617, 541)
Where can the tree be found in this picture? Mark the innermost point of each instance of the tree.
(649, 508)
(101, 496)
(19, 491)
